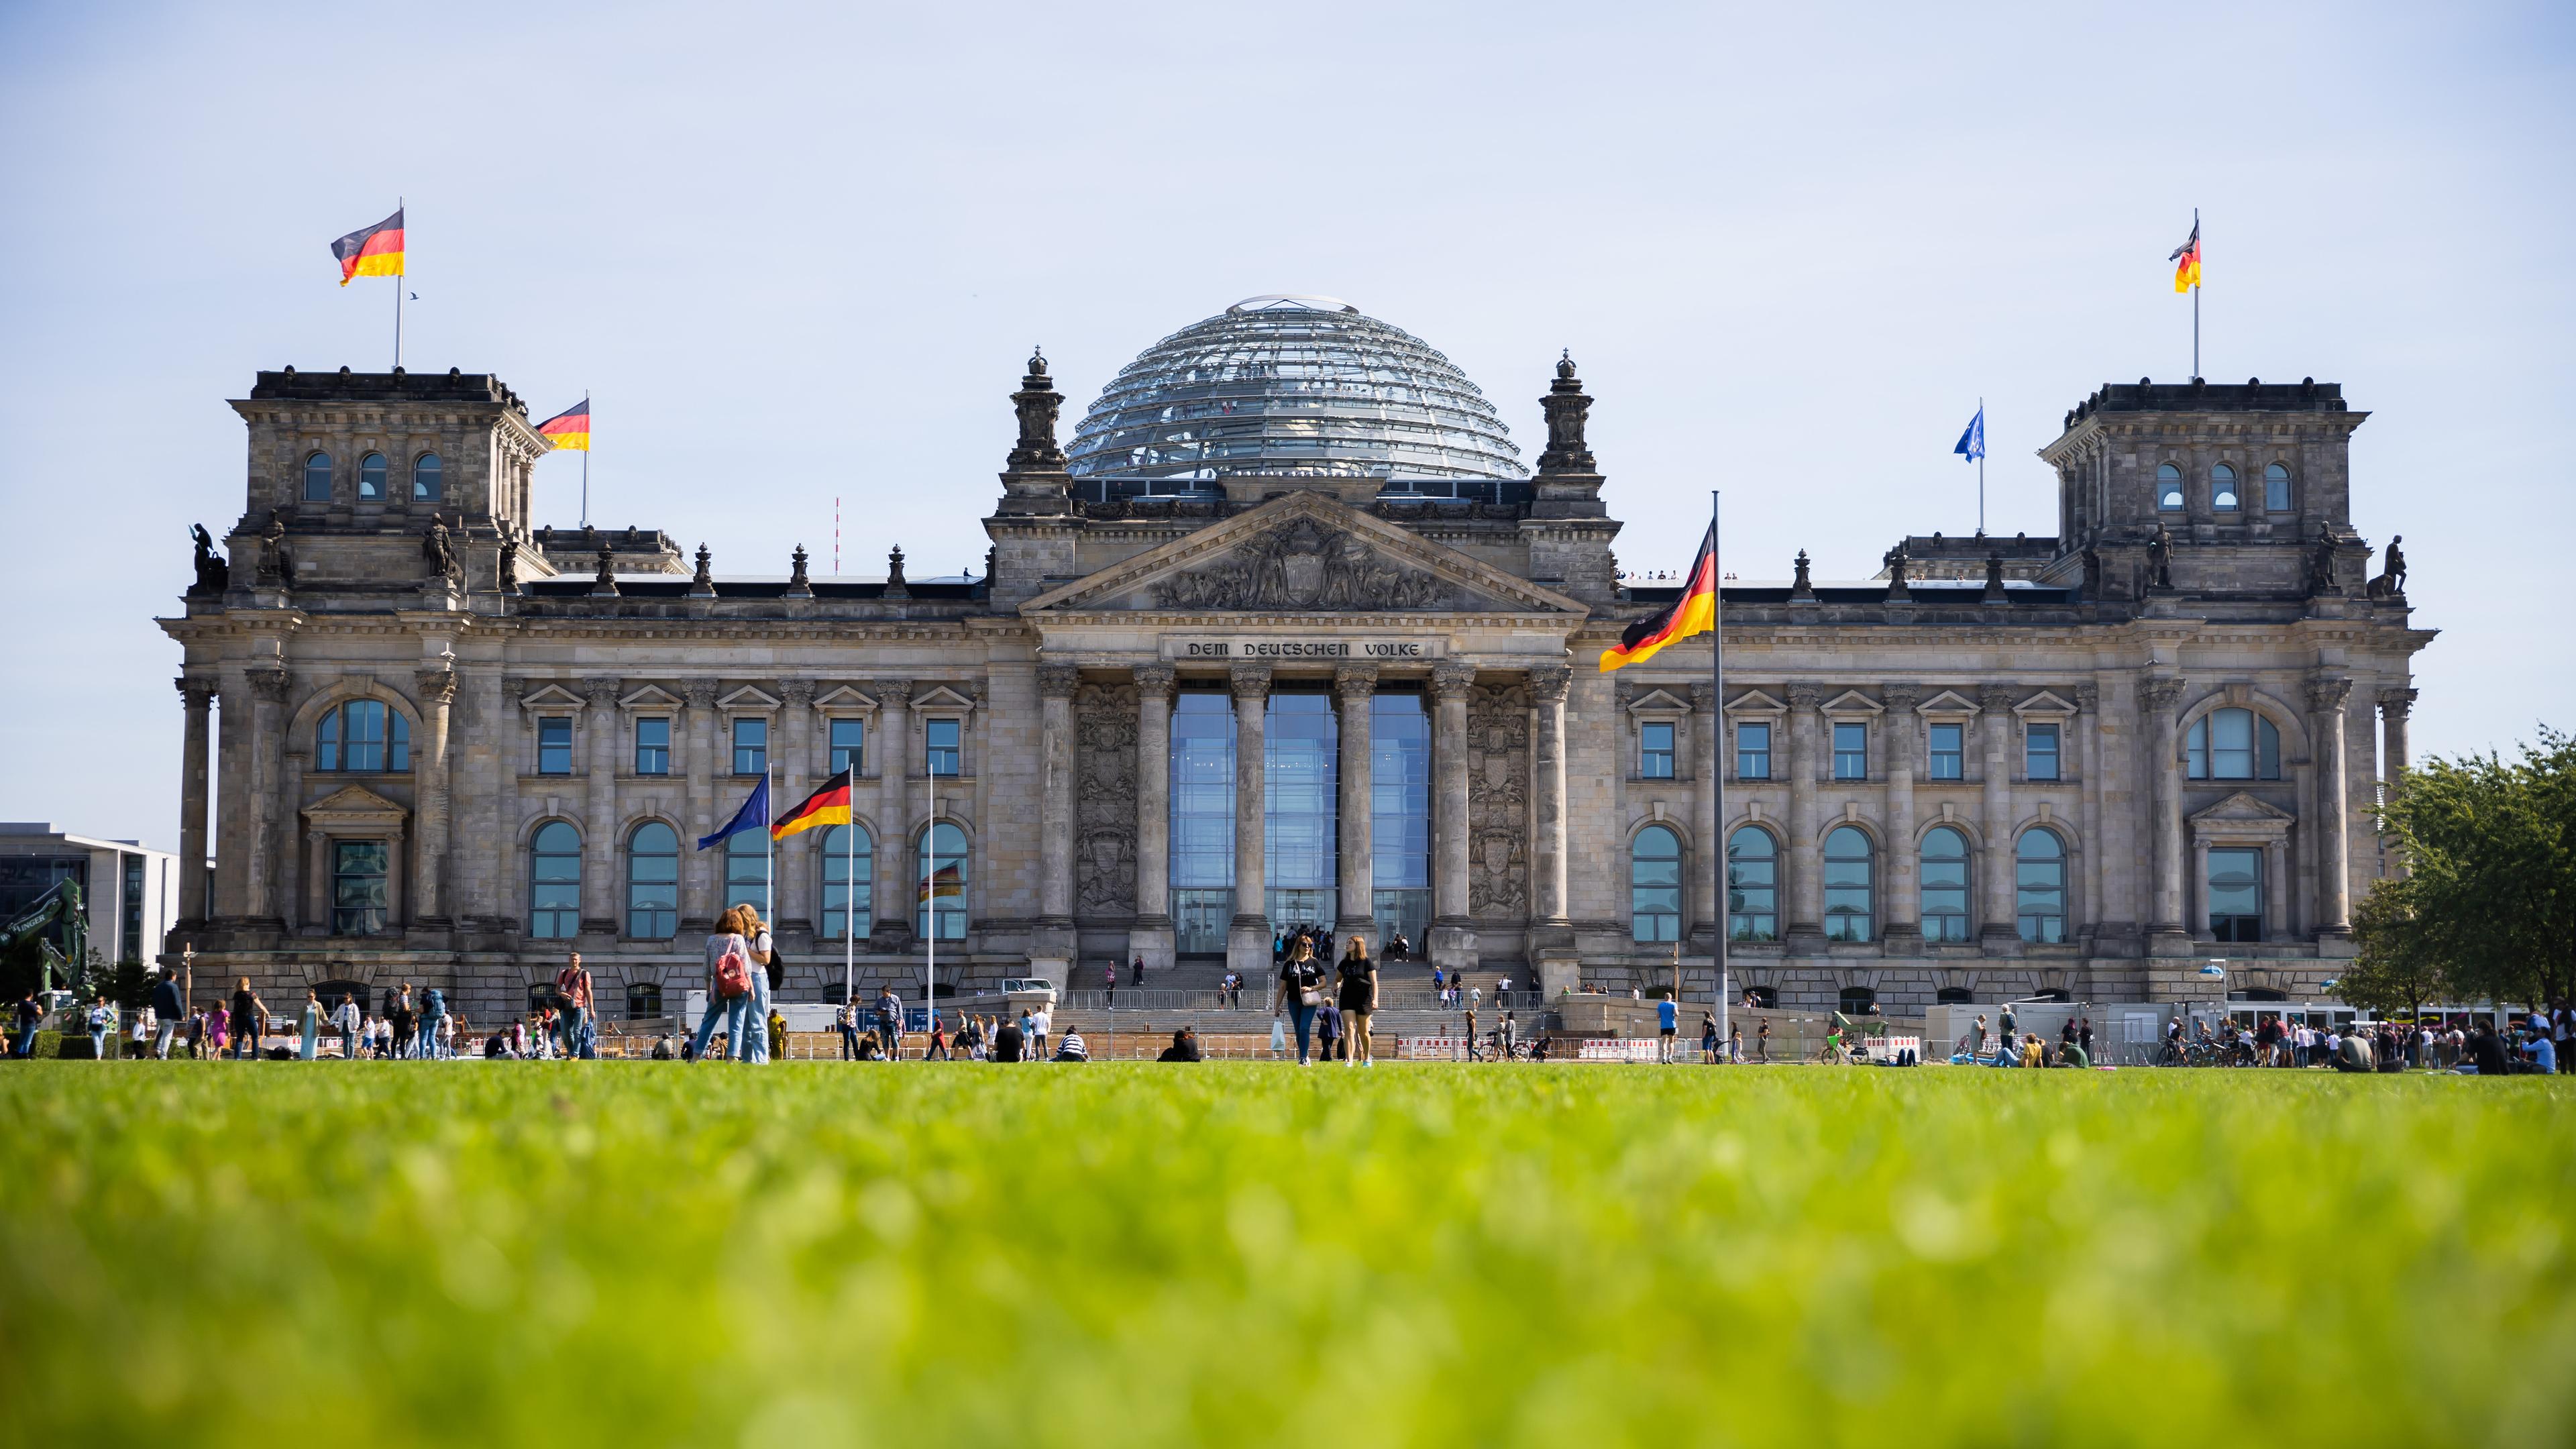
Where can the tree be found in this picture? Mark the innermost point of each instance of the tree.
(2399, 965)
(2488, 905)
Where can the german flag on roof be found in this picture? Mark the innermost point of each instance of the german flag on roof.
(372, 251)
(829, 805)
(569, 429)
(1695, 612)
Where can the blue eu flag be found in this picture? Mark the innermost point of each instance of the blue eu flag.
(1972, 443)
(754, 815)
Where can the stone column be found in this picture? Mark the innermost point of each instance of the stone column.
(1151, 934)
(268, 689)
(1904, 915)
(1997, 931)
(2085, 871)
(492, 743)
(1355, 899)
(1548, 686)
(799, 891)
(1247, 938)
(1453, 931)
(2195, 891)
(430, 905)
(2276, 889)
(317, 880)
(896, 874)
(1805, 886)
(1707, 914)
(198, 697)
(2326, 699)
(2394, 706)
(599, 810)
(701, 871)
(1056, 684)
(2167, 931)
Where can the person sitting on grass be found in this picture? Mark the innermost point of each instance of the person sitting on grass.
(1010, 1042)
(1184, 1048)
(1071, 1049)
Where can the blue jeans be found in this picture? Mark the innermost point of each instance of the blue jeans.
(1304, 1017)
(730, 1011)
(571, 1023)
(161, 1044)
(246, 1045)
(751, 1044)
(98, 1045)
(26, 1046)
(849, 1043)
(424, 1042)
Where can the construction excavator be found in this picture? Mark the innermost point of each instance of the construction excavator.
(60, 905)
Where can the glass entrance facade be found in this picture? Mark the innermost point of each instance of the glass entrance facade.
(1202, 844)
(1400, 817)
(1298, 838)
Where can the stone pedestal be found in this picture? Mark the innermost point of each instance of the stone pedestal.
(1558, 969)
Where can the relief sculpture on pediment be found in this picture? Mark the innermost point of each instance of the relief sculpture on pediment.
(1105, 799)
(1498, 802)
(1305, 565)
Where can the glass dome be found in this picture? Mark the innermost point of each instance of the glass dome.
(1291, 387)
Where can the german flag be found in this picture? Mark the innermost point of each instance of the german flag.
(2186, 260)
(1695, 612)
(569, 429)
(827, 806)
(372, 251)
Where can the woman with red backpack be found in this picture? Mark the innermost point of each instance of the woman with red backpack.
(729, 970)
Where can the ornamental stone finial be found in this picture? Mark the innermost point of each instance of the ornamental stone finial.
(798, 585)
(603, 585)
(702, 584)
(1037, 403)
(1566, 408)
(1801, 587)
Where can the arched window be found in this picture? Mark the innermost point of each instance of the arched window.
(1859, 1001)
(1954, 996)
(371, 477)
(2276, 488)
(362, 735)
(849, 869)
(2040, 878)
(1765, 997)
(317, 478)
(2168, 488)
(747, 870)
(428, 484)
(1945, 885)
(653, 882)
(643, 999)
(2233, 744)
(943, 850)
(554, 882)
(1655, 885)
(1851, 903)
(2222, 489)
(1753, 885)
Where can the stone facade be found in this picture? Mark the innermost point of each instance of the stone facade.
(529, 683)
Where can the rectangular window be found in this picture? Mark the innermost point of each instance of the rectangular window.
(1655, 751)
(940, 737)
(1949, 751)
(1202, 848)
(554, 746)
(2235, 890)
(1851, 752)
(131, 948)
(1400, 816)
(357, 887)
(2039, 752)
(751, 747)
(849, 746)
(653, 747)
(1753, 752)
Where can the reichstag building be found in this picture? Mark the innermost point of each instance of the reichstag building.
(1290, 633)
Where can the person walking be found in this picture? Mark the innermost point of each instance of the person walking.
(348, 1021)
(1137, 977)
(938, 1049)
(1668, 1023)
(573, 995)
(249, 1020)
(1708, 1037)
(1762, 1039)
(28, 1016)
(1297, 992)
(309, 1027)
(404, 1024)
(434, 1025)
(890, 1021)
(1357, 997)
(729, 972)
(1475, 1050)
(168, 1009)
(1109, 983)
(1735, 1042)
(102, 1025)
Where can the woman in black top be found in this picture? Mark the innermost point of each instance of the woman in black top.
(1357, 996)
(1299, 990)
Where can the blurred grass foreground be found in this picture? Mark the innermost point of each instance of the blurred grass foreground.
(565, 1253)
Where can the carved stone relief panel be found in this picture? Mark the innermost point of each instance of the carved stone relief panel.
(1306, 565)
(1104, 812)
(1498, 801)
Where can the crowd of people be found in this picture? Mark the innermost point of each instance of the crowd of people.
(2533, 1044)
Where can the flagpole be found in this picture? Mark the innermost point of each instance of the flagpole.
(400, 283)
(1981, 468)
(849, 894)
(2195, 294)
(1716, 770)
(585, 459)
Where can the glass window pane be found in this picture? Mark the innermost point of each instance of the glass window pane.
(317, 478)
(751, 747)
(371, 476)
(2168, 489)
(362, 735)
(2268, 752)
(1753, 752)
(2235, 894)
(554, 882)
(1400, 816)
(653, 746)
(2276, 489)
(1851, 752)
(941, 738)
(2040, 752)
(358, 894)
(1655, 751)
(1850, 901)
(1948, 751)
(2231, 744)
(2222, 489)
(2196, 750)
(554, 746)
(427, 479)
(326, 741)
(942, 851)
(653, 881)
(397, 741)
(1202, 847)
(849, 875)
(849, 746)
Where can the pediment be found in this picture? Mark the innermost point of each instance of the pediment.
(941, 698)
(651, 696)
(2047, 701)
(551, 696)
(1947, 702)
(1852, 701)
(846, 699)
(1756, 701)
(1304, 552)
(751, 698)
(1659, 701)
(354, 805)
(2241, 809)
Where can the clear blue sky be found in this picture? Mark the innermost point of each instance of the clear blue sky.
(799, 253)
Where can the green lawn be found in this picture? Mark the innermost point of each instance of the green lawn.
(631, 1252)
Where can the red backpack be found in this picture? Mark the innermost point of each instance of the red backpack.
(733, 970)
